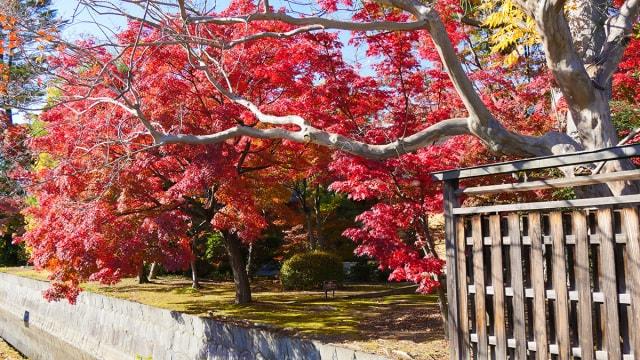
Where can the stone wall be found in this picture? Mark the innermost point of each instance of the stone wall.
(100, 327)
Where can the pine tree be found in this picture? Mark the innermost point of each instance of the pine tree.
(23, 44)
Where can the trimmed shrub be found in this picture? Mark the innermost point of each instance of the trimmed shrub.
(307, 271)
(367, 271)
(362, 271)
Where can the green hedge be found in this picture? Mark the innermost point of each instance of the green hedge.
(307, 271)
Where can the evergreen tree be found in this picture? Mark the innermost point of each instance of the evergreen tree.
(22, 46)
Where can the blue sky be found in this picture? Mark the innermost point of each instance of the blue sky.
(83, 26)
(82, 22)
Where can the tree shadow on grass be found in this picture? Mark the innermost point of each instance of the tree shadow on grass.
(334, 320)
(405, 317)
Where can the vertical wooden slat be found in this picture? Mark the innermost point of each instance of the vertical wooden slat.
(450, 201)
(608, 284)
(583, 284)
(537, 279)
(478, 281)
(497, 281)
(632, 232)
(560, 285)
(462, 288)
(515, 254)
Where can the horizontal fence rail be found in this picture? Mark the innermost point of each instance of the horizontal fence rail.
(545, 205)
(552, 183)
(545, 162)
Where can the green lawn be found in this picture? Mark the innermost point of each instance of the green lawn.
(405, 322)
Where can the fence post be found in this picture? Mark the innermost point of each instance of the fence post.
(450, 201)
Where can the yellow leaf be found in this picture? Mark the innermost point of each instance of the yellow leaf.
(512, 58)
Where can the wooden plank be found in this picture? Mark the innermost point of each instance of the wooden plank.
(478, 280)
(608, 286)
(517, 284)
(632, 232)
(537, 281)
(544, 162)
(497, 279)
(583, 285)
(594, 239)
(598, 297)
(546, 205)
(552, 183)
(560, 286)
(462, 289)
(450, 201)
(553, 349)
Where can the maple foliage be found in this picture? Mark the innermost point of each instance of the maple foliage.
(109, 199)
(110, 196)
(627, 78)
(395, 231)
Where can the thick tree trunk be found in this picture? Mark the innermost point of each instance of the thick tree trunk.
(595, 130)
(585, 18)
(142, 276)
(195, 280)
(574, 41)
(238, 267)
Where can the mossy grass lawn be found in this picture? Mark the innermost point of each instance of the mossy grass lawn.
(396, 325)
(9, 353)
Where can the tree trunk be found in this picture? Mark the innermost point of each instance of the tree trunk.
(595, 130)
(585, 19)
(9, 112)
(589, 120)
(317, 203)
(320, 240)
(442, 289)
(142, 276)
(310, 234)
(153, 272)
(443, 304)
(249, 257)
(238, 266)
(195, 281)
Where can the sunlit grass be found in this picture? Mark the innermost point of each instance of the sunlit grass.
(9, 353)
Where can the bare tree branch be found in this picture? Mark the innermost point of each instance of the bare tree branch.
(324, 22)
(480, 121)
(426, 137)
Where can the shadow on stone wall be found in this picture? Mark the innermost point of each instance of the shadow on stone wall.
(101, 327)
(35, 343)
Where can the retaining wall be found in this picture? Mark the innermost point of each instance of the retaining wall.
(101, 327)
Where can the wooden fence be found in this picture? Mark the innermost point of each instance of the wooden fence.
(557, 279)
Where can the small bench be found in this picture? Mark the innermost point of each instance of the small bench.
(330, 285)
